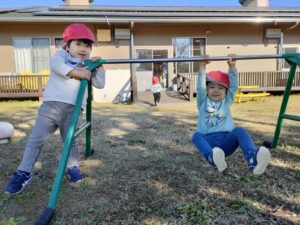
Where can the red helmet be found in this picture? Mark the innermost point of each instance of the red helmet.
(218, 77)
(155, 80)
(78, 31)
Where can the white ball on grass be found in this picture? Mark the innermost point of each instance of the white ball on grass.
(6, 130)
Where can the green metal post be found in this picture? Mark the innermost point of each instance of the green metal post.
(47, 214)
(284, 103)
(67, 146)
(88, 120)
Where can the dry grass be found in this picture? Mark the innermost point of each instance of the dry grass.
(145, 170)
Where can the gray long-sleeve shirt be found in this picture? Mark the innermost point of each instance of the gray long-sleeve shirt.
(62, 88)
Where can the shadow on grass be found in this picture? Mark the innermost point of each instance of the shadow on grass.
(145, 170)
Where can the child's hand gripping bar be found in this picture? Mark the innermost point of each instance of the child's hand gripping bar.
(92, 65)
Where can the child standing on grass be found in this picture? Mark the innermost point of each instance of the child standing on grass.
(156, 89)
(59, 99)
(216, 136)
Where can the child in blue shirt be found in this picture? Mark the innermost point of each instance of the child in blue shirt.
(216, 136)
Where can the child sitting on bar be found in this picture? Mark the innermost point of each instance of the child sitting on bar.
(216, 136)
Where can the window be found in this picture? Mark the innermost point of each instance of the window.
(144, 54)
(31, 54)
(285, 65)
(59, 43)
(186, 48)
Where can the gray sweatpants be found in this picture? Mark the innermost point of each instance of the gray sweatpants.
(51, 115)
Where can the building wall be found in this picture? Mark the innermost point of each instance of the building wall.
(117, 87)
(118, 76)
(222, 39)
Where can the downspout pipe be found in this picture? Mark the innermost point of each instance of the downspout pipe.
(280, 61)
(133, 79)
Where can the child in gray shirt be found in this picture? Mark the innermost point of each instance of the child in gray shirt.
(59, 99)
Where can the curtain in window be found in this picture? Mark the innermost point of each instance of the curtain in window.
(22, 51)
(41, 54)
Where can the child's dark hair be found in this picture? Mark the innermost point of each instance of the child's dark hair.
(207, 82)
(85, 41)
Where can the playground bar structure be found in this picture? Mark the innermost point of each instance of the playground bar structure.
(45, 217)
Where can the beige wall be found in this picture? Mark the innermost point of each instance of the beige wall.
(241, 39)
(118, 76)
(117, 49)
(8, 31)
(222, 40)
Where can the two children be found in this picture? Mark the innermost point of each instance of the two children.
(60, 96)
(216, 136)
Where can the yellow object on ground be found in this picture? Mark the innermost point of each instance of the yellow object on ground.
(261, 96)
(31, 84)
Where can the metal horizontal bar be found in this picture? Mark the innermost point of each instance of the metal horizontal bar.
(211, 58)
(290, 117)
(82, 128)
(91, 65)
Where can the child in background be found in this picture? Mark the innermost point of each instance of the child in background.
(59, 99)
(216, 136)
(156, 89)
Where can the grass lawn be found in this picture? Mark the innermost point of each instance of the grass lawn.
(145, 170)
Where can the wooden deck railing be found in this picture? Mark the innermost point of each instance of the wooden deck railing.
(185, 85)
(22, 86)
(28, 86)
(267, 81)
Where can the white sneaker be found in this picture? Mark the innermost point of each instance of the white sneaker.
(263, 158)
(219, 159)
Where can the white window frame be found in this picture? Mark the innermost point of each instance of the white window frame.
(138, 64)
(190, 49)
(54, 44)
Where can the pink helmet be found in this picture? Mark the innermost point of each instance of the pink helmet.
(218, 77)
(154, 80)
(78, 31)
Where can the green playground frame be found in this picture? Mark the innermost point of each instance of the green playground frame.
(45, 217)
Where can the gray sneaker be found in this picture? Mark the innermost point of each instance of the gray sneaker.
(218, 157)
(263, 158)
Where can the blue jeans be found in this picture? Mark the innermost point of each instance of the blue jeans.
(227, 141)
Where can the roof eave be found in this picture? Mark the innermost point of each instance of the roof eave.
(146, 20)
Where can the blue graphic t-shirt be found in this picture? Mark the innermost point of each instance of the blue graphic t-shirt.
(215, 116)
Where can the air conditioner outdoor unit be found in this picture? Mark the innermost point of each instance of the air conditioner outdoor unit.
(272, 33)
(122, 34)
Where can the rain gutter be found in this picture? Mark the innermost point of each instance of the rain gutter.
(148, 20)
